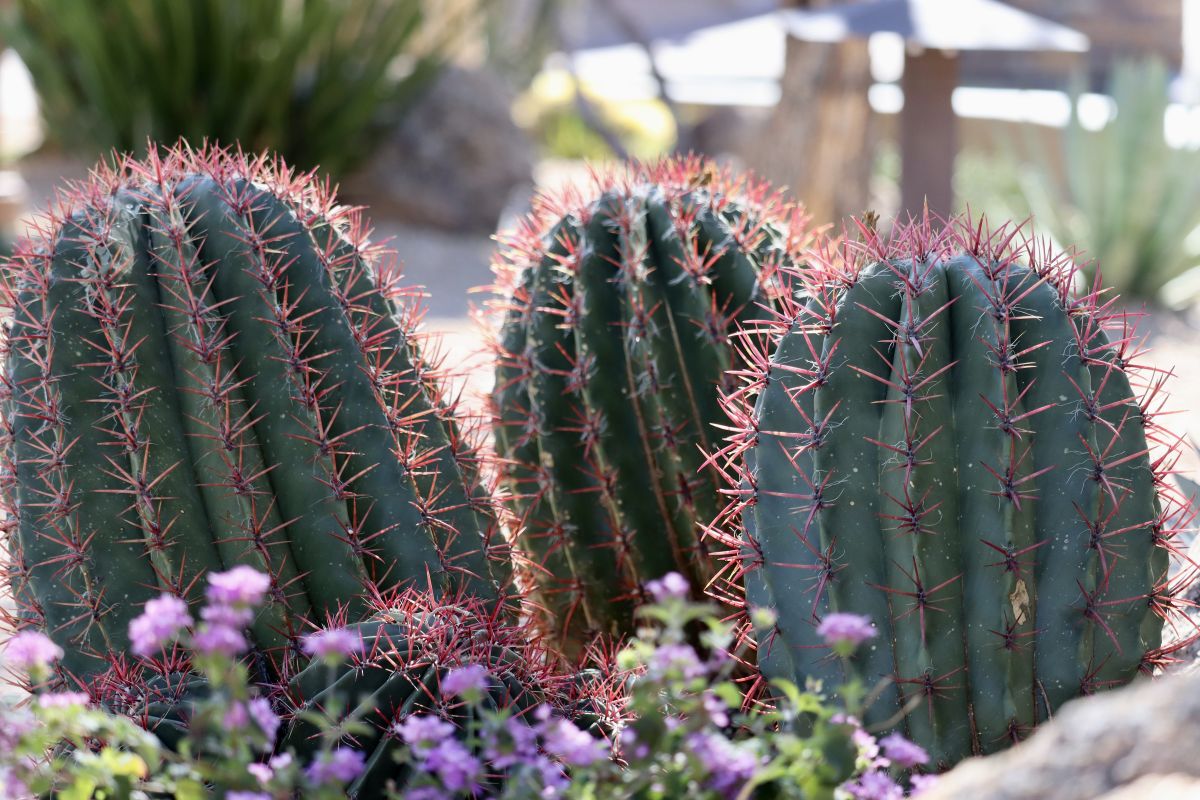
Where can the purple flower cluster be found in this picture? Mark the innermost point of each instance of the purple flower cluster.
(468, 681)
(334, 644)
(846, 631)
(32, 652)
(232, 596)
(545, 747)
(441, 755)
(728, 766)
(892, 750)
(335, 767)
(671, 586)
(161, 621)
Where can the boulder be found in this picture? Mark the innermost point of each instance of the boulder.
(454, 159)
(1114, 746)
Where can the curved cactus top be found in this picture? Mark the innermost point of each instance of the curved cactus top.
(206, 366)
(617, 302)
(938, 432)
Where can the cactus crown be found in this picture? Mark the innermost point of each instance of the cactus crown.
(617, 303)
(936, 431)
(207, 366)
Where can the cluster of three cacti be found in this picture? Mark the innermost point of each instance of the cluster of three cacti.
(206, 366)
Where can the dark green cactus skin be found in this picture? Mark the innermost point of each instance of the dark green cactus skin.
(945, 439)
(407, 650)
(205, 368)
(612, 357)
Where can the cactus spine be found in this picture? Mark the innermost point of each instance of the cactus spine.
(611, 360)
(939, 434)
(205, 368)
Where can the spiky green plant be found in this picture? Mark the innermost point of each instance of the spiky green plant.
(939, 434)
(1121, 194)
(205, 367)
(311, 80)
(618, 304)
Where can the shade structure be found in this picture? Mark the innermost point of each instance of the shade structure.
(938, 25)
(938, 30)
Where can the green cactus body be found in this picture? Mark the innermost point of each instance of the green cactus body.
(945, 439)
(205, 368)
(613, 354)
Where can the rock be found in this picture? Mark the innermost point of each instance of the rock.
(1160, 787)
(1095, 746)
(454, 159)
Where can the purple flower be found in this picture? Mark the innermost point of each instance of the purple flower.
(63, 699)
(467, 682)
(676, 660)
(902, 752)
(33, 652)
(519, 743)
(247, 796)
(235, 617)
(335, 643)
(240, 586)
(874, 786)
(235, 716)
(458, 770)
(846, 631)
(563, 739)
(671, 586)
(631, 747)
(921, 783)
(427, 793)
(423, 733)
(718, 711)
(262, 772)
(220, 640)
(159, 623)
(728, 766)
(340, 766)
(264, 717)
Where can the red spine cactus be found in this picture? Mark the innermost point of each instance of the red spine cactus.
(206, 366)
(617, 307)
(937, 432)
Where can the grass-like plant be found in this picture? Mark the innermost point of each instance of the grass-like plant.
(311, 79)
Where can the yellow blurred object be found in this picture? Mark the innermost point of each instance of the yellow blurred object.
(547, 109)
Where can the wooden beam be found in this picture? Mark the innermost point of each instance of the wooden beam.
(928, 133)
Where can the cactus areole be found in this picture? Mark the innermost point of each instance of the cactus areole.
(940, 435)
(205, 367)
(612, 356)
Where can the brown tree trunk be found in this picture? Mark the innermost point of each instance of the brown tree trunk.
(818, 140)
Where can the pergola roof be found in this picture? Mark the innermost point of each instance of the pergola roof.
(938, 25)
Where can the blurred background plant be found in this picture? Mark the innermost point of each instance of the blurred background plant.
(315, 80)
(1124, 197)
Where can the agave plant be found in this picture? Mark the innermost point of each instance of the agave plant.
(1124, 196)
(307, 79)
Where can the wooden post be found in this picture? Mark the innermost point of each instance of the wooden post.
(928, 133)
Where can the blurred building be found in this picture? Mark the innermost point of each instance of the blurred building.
(1117, 29)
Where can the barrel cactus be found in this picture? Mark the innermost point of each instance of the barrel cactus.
(618, 305)
(940, 434)
(205, 367)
